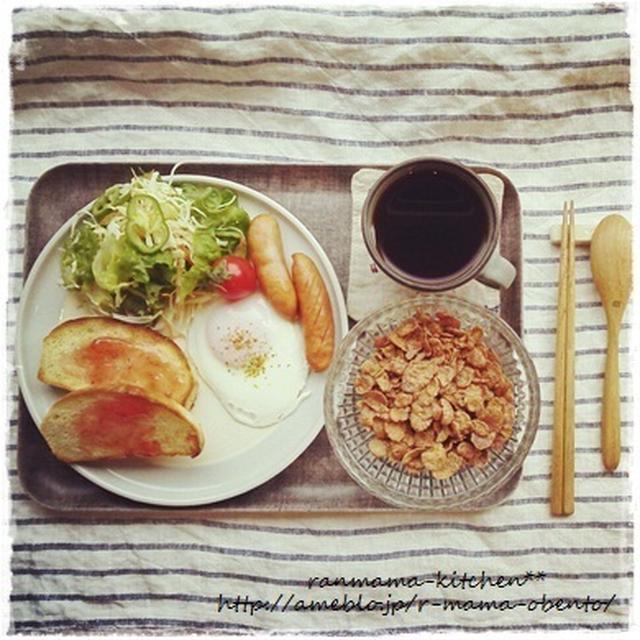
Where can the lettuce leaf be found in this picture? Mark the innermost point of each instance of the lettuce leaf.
(204, 251)
(78, 255)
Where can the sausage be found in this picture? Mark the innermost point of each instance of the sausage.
(316, 313)
(265, 250)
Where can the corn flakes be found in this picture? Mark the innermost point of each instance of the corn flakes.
(435, 397)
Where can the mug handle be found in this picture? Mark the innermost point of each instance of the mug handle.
(499, 273)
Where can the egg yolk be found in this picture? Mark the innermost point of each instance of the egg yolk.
(239, 348)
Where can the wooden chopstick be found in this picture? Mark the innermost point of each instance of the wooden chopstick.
(563, 455)
(569, 390)
(557, 454)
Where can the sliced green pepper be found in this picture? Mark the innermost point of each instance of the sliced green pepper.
(146, 228)
(107, 202)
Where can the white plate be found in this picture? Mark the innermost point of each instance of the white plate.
(236, 458)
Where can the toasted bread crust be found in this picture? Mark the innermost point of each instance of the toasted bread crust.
(116, 422)
(87, 351)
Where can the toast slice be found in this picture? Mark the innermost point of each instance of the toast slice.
(98, 351)
(118, 422)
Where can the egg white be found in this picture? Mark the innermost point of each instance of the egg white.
(258, 396)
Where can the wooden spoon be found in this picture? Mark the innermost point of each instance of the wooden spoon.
(611, 267)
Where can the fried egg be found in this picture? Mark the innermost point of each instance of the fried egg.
(251, 357)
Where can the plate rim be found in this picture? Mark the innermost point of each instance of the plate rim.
(342, 329)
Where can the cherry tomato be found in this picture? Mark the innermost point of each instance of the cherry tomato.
(238, 277)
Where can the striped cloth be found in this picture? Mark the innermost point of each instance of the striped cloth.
(539, 93)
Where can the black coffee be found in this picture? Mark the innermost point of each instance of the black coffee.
(431, 223)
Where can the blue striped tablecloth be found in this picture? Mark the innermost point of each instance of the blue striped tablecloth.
(539, 93)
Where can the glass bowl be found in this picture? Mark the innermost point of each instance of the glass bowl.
(469, 488)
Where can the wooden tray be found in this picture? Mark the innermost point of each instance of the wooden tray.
(320, 196)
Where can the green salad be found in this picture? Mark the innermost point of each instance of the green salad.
(146, 247)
